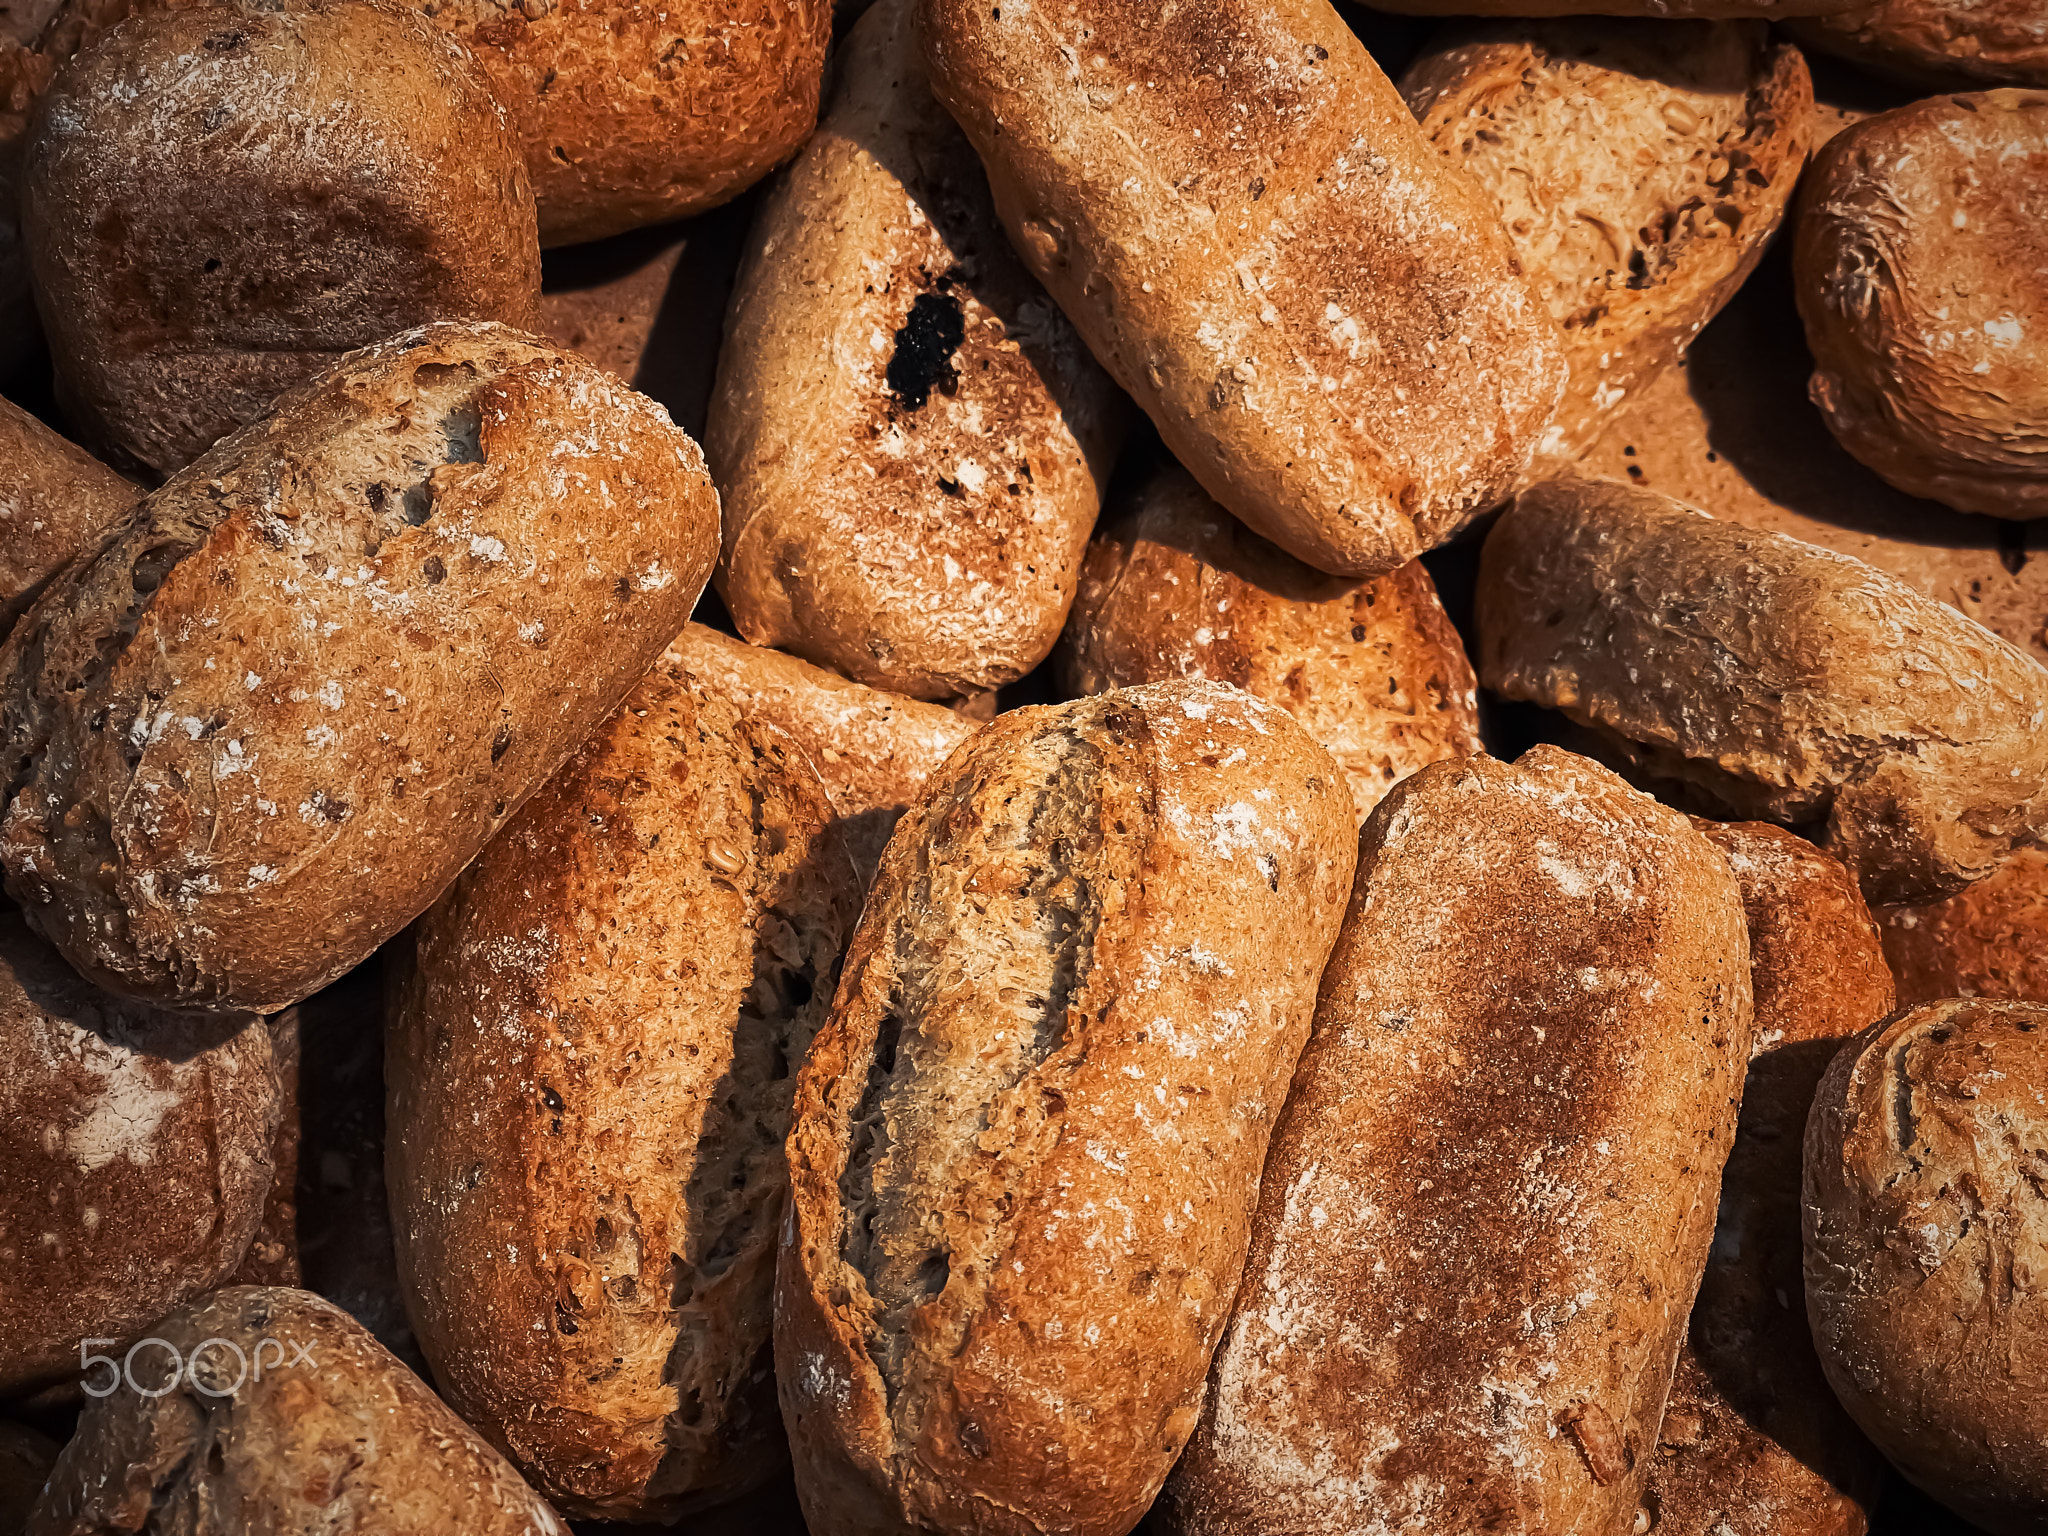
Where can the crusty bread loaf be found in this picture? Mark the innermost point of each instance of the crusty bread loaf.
(56, 502)
(316, 671)
(1640, 168)
(220, 200)
(1753, 1441)
(1776, 679)
(272, 1256)
(1324, 319)
(872, 750)
(1174, 586)
(910, 440)
(1491, 1192)
(632, 113)
(1924, 1240)
(1663, 10)
(137, 1155)
(645, 951)
(1922, 268)
(324, 1432)
(1028, 1138)
(1938, 43)
(26, 1456)
(1988, 941)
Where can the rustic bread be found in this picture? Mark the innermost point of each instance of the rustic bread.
(1988, 941)
(1640, 167)
(1660, 10)
(26, 1456)
(909, 439)
(1174, 586)
(632, 113)
(220, 200)
(1938, 43)
(1772, 678)
(872, 750)
(1491, 1192)
(646, 951)
(56, 502)
(1324, 318)
(1027, 1141)
(137, 1150)
(316, 671)
(272, 1257)
(1922, 270)
(1753, 1441)
(1924, 1240)
(340, 1437)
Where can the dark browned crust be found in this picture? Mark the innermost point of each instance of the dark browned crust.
(1937, 44)
(1988, 941)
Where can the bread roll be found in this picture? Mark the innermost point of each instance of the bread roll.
(910, 440)
(137, 1150)
(270, 721)
(1640, 167)
(26, 1456)
(1773, 678)
(1938, 43)
(324, 1432)
(1177, 587)
(1324, 319)
(1988, 941)
(1753, 1441)
(872, 750)
(1922, 268)
(632, 113)
(1662, 10)
(1924, 1242)
(1028, 1139)
(1491, 1192)
(589, 1257)
(56, 502)
(272, 1257)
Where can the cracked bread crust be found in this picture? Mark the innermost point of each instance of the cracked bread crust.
(1029, 1136)
(1324, 319)
(1773, 679)
(56, 502)
(1988, 941)
(271, 720)
(591, 1057)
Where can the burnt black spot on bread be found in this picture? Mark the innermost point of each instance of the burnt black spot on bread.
(922, 357)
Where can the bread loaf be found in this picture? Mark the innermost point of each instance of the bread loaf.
(137, 1151)
(1773, 678)
(1661, 10)
(589, 1256)
(1640, 168)
(1325, 321)
(1988, 941)
(272, 1257)
(1922, 272)
(56, 502)
(1028, 1139)
(1924, 1235)
(1491, 1192)
(1937, 43)
(288, 1417)
(1175, 586)
(872, 750)
(1753, 1441)
(270, 721)
(220, 200)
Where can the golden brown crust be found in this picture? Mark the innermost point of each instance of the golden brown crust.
(1324, 319)
(1491, 1192)
(1779, 680)
(56, 502)
(1640, 168)
(317, 670)
(219, 201)
(1174, 586)
(1938, 44)
(1922, 273)
(1924, 1241)
(339, 1437)
(1027, 1140)
(1988, 941)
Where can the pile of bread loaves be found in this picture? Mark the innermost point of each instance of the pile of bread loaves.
(1015, 1021)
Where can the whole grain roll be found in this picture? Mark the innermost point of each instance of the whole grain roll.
(589, 1257)
(1924, 1249)
(1640, 168)
(1028, 1139)
(137, 1155)
(1491, 1193)
(1938, 43)
(325, 1431)
(1174, 586)
(910, 440)
(271, 720)
(56, 502)
(220, 200)
(1988, 941)
(1922, 270)
(1323, 318)
(1775, 679)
